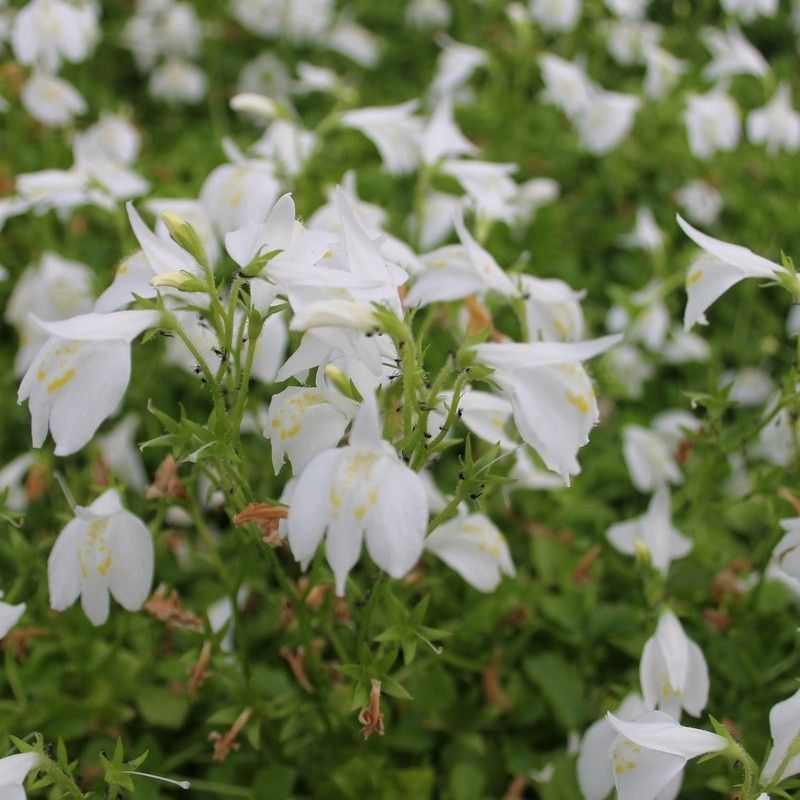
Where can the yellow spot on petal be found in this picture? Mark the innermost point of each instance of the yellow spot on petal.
(122, 268)
(41, 375)
(60, 383)
(694, 277)
(290, 433)
(580, 401)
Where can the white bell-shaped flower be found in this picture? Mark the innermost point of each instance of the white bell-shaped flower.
(103, 549)
(673, 671)
(361, 493)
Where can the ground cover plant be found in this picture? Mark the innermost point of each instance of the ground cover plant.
(399, 399)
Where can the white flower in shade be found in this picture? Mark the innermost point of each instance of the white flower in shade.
(454, 67)
(304, 421)
(664, 70)
(606, 120)
(777, 124)
(394, 130)
(701, 201)
(80, 374)
(54, 289)
(654, 532)
(47, 32)
(439, 209)
(286, 145)
(489, 185)
(594, 767)
(723, 265)
(529, 474)
(649, 458)
(673, 671)
(453, 272)
(712, 123)
(9, 617)
(297, 20)
(784, 565)
(234, 195)
(748, 10)
(649, 755)
(531, 196)
(776, 441)
(113, 137)
(552, 310)
(178, 81)
(551, 394)
(359, 493)
(682, 346)
(441, 137)
(103, 549)
(628, 9)
(630, 40)
(749, 386)
(630, 368)
(646, 235)
(731, 54)
(334, 313)
(486, 415)
(12, 481)
(556, 16)
(52, 100)
(566, 84)
(428, 14)
(784, 725)
(474, 548)
(13, 770)
(354, 41)
(121, 455)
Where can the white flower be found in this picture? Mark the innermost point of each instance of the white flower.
(489, 185)
(731, 54)
(113, 137)
(712, 123)
(748, 10)
(556, 15)
(630, 40)
(297, 20)
(749, 386)
(190, 211)
(649, 458)
(595, 772)
(551, 394)
(47, 32)
(394, 130)
(784, 725)
(178, 81)
(11, 481)
(441, 137)
(238, 194)
(103, 548)
(630, 367)
(663, 72)
(121, 455)
(424, 14)
(454, 67)
(784, 565)
(52, 100)
(645, 234)
(304, 421)
(673, 672)
(566, 84)
(701, 201)
(649, 755)
(653, 531)
(9, 617)
(474, 548)
(80, 374)
(354, 41)
(286, 145)
(552, 310)
(13, 770)
(606, 120)
(777, 124)
(723, 265)
(361, 492)
(485, 414)
(54, 289)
